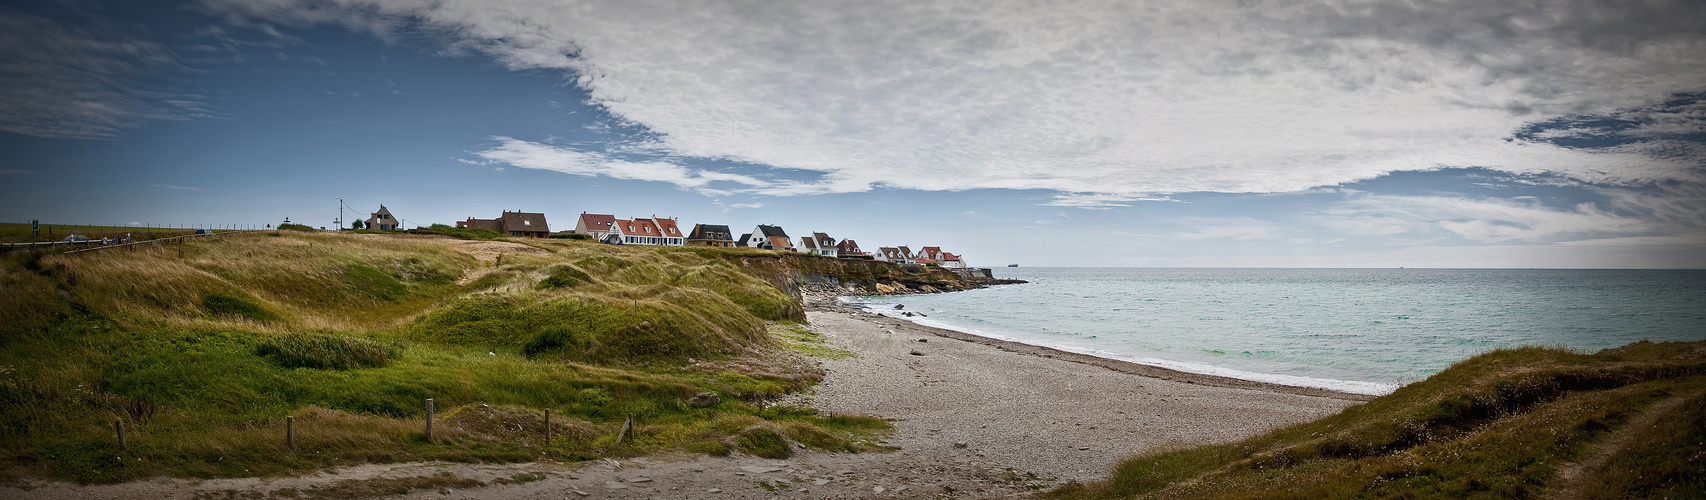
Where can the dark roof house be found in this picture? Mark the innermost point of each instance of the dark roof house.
(526, 224)
(710, 235)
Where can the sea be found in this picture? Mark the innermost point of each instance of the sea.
(1365, 331)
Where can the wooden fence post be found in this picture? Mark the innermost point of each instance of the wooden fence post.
(627, 428)
(547, 426)
(290, 432)
(429, 420)
(119, 424)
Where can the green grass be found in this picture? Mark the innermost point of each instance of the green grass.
(1498, 425)
(327, 351)
(456, 232)
(764, 442)
(799, 338)
(203, 348)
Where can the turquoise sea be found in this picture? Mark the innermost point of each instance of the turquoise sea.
(1359, 330)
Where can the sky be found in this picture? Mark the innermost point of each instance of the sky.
(1568, 134)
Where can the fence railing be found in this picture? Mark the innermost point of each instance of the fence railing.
(93, 244)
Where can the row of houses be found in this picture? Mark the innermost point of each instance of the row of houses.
(666, 231)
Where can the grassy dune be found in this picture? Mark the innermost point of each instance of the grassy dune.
(202, 350)
(1515, 423)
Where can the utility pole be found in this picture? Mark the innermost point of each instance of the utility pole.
(340, 214)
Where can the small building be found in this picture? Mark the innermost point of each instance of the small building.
(928, 255)
(952, 261)
(653, 231)
(383, 220)
(819, 244)
(707, 235)
(525, 224)
(768, 238)
(594, 225)
(898, 255)
(849, 248)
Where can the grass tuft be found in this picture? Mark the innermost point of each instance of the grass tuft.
(330, 352)
(764, 442)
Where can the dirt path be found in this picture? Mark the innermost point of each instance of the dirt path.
(1567, 483)
(487, 254)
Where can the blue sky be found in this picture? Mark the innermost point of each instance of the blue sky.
(1199, 133)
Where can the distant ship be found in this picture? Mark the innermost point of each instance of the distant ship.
(1012, 265)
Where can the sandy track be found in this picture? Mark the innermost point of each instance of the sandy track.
(973, 418)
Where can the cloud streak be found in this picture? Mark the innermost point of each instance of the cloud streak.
(81, 81)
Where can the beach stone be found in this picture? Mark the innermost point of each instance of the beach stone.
(899, 306)
(582, 493)
(613, 485)
(713, 490)
(916, 353)
(704, 399)
(960, 444)
(923, 340)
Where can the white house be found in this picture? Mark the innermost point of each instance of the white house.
(768, 238)
(819, 244)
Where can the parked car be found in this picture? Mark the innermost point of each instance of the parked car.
(200, 232)
(76, 238)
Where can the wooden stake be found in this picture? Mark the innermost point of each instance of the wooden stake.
(119, 424)
(290, 432)
(547, 426)
(627, 428)
(429, 420)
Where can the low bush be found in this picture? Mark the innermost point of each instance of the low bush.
(294, 227)
(456, 232)
(564, 276)
(219, 304)
(764, 442)
(323, 351)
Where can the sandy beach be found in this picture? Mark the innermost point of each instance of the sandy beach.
(973, 417)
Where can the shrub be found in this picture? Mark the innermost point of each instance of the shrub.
(294, 227)
(307, 350)
(219, 304)
(570, 236)
(564, 276)
(456, 232)
(552, 338)
(764, 442)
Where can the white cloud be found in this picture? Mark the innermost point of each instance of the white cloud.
(541, 156)
(173, 186)
(1087, 98)
(1489, 220)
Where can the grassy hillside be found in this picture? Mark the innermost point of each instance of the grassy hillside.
(1516, 423)
(202, 349)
